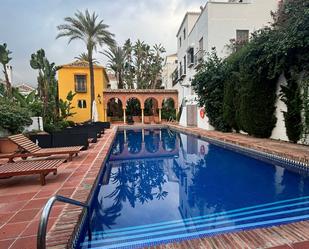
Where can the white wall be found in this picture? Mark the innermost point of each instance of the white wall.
(279, 132)
(203, 122)
(37, 124)
(217, 24)
(225, 18)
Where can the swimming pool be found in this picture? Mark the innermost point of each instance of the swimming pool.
(161, 185)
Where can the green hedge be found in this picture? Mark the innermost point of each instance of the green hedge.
(13, 117)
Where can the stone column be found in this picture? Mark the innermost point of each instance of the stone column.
(142, 115)
(160, 115)
(124, 115)
(105, 114)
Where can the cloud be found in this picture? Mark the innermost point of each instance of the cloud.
(27, 26)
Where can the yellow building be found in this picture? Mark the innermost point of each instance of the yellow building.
(75, 77)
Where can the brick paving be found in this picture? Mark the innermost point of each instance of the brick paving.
(22, 199)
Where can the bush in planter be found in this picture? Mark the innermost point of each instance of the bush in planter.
(13, 117)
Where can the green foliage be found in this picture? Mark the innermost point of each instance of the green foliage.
(208, 83)
(47, 85)
(292, 98)
(65, 106)
(251, 73)
(13, 117)
(31, 101)
(133, 107)
(137, 65)
(305, 98)
(4, 60)
(168, 110)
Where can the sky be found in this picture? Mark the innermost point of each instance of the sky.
(27, 26)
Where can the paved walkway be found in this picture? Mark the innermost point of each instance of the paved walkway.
(22, 198)
(289, 150)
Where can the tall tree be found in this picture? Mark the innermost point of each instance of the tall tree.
(93, 32)
(47, 85)
(4, 60)
(85, 57)
(116, 61)
(129, 70)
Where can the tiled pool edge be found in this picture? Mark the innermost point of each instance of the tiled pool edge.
(300, 165)
(67, 227)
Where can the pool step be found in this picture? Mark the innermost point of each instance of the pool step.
(268, 214)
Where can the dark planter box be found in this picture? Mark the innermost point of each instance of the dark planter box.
(43, 140)
(92, 134)
(105, 125)
(63, 139)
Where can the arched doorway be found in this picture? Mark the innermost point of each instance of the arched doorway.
(133, 110)
(151, 111)
(114, 109)
(168, 109)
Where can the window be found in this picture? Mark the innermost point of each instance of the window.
(184, 64)
(179, 41)
(81, 103)
(242, 36)
(190, 56)
(80, 83)
(180, 69)
(184, 34)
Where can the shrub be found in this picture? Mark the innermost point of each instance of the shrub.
(13, 117)
(208, 83)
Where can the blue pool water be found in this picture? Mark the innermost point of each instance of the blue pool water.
(161, 186)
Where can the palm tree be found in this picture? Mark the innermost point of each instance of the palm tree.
(116, 61)
(93, 32)
(4, 60)
(85, 57)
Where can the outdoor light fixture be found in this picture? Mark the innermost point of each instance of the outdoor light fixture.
(99, 98)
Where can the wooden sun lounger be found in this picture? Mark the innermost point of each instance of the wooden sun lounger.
(39, 167)
(28, 148)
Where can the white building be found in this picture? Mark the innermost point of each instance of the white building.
(216, 25)
(170, 64)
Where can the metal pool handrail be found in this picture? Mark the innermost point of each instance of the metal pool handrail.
(41, 237)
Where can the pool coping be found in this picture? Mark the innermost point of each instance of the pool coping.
(67, 228)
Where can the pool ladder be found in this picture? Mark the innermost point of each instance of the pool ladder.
(41, 237)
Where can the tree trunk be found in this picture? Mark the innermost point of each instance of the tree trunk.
(91, 81)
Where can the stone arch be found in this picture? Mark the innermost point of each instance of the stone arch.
(133, 109)
(114, 107)
(151, 105)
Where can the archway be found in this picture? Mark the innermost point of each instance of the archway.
(151, 110)
(133, 109)
(114, 109)
(168, 109)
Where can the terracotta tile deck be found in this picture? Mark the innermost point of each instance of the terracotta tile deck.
(22, 198)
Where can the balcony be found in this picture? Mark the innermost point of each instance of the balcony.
(198, 58)
(182, 72)
(190, 56)
(175, 77)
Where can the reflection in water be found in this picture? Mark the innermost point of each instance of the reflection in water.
(160, 175)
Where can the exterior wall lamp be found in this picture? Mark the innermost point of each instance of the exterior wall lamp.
(99, 98)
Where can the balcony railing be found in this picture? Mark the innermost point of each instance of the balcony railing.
(182, 72)
(198, 58)
(175, 76)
